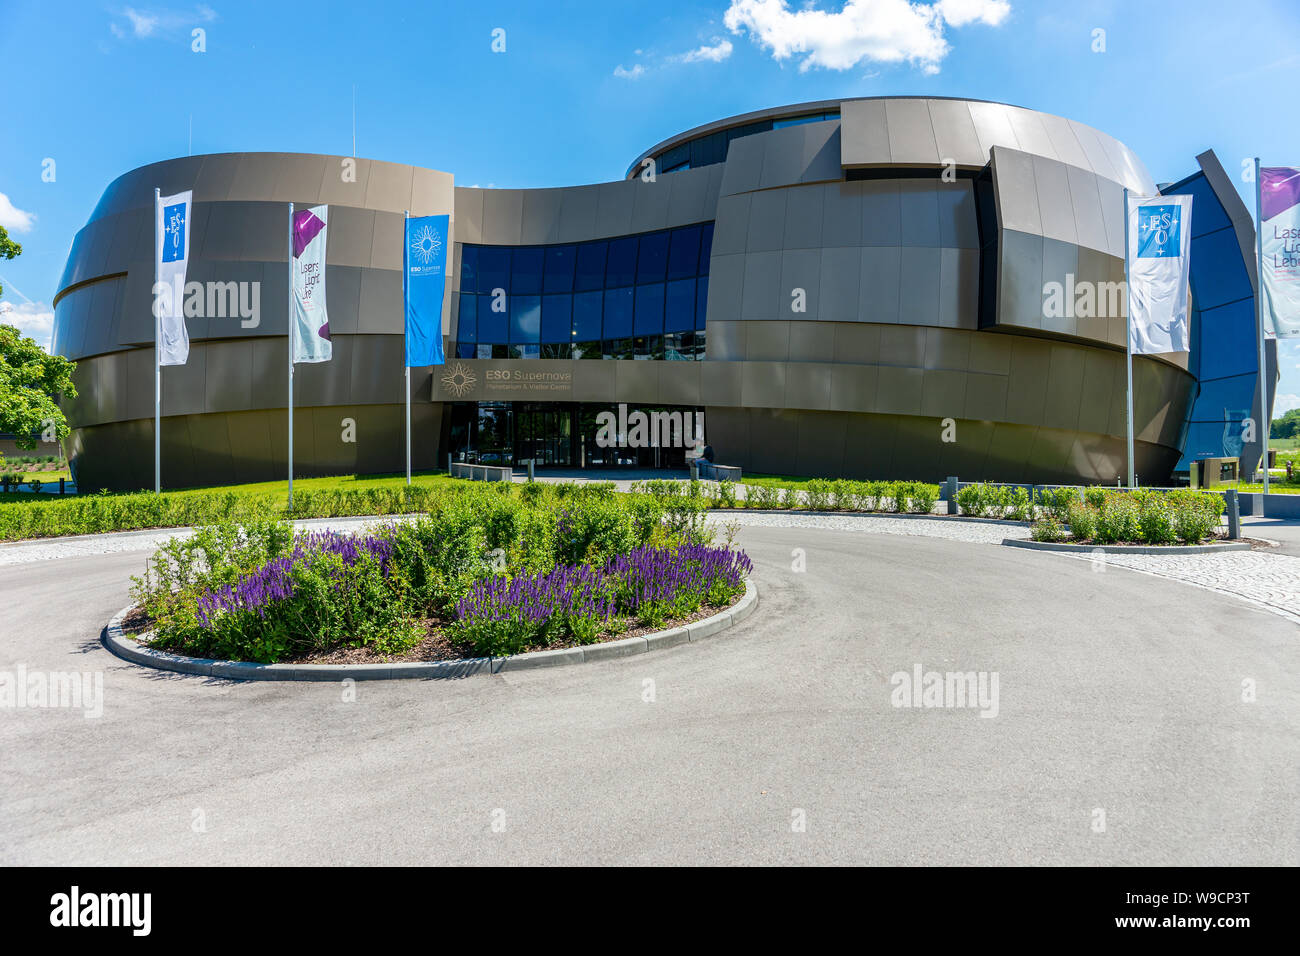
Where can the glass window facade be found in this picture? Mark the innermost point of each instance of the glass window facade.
(635, 297)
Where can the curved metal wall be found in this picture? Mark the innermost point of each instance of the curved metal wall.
(918, 305)
(224, 414)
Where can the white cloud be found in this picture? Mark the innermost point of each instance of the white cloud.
(33, 319)
(871, 31)
(1283, 403)
(144, 24)
(623, 73)
(719, 51)
(13, 218)
(958, 13)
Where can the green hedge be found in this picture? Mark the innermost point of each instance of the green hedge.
(1144, 516)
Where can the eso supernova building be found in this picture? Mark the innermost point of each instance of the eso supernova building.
(828, 283)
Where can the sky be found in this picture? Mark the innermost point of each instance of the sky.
(560, 93)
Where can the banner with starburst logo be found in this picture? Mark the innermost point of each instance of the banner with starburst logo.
(425, 281)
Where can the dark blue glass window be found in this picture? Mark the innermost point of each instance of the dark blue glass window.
(586, 315)
(526, 274)
(591, 267)
(649, 309)
(525, 318)
(619, 296)
(468, 268)
(652, 259)
(493, 268)
(491, 325)
(679, 314)
(467, 321)
(618, 313)
(557, 316)
(559, 269)
(620, 267)
(684, 254)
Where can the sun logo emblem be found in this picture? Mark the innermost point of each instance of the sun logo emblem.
(458, 380)
(425, 244)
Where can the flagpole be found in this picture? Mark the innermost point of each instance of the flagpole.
(1128, 342)
(290, 340)
(157, 350)
(1263, 424)
(406, 214)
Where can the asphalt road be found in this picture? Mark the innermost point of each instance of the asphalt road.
(1118, 692)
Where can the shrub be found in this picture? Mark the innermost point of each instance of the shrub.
(1117, 519)
(789, 498)
(1155, 517)
(726, 493)
(762, 496)
(818, 495)
(1019, 504)
(844, 495)
(1048, 528)
(1082, 519)
(1057, 501)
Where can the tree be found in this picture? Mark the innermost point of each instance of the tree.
(1288, 426)
(30, 382)
(8, 249)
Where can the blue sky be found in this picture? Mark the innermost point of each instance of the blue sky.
(583, 87)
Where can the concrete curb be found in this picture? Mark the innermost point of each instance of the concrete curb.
(131, 650)
(1063, 548)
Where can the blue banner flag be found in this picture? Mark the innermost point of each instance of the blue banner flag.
(425, 279)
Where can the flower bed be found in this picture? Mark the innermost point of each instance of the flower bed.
(485, 573)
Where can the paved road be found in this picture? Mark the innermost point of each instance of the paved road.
(1117, 691)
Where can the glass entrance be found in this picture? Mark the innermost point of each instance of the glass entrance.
(542, 435)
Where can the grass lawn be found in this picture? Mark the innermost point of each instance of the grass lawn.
(49, 477)
(423, 479)
(774, 481)
(1276, 486)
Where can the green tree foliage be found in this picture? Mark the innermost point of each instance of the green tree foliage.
(1288, 426)
(30, 381)
(8, 249)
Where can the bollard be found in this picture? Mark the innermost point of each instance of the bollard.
(530, 468)
(695, 470)
(1234, 513)
(953, 507)
(60, 486)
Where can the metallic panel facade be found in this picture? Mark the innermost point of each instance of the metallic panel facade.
(859, 296)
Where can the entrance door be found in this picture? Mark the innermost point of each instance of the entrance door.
(542, 434)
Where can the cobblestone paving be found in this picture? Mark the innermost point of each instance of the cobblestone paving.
(1270, 580)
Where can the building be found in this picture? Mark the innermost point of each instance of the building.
(881, 287)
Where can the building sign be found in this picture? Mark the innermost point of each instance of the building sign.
(460, 380)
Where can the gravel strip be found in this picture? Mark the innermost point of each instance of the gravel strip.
(975, 532)
(48, 549)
